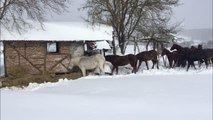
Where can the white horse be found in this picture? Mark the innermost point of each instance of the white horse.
(88, 63)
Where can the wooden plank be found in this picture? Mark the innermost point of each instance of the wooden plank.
(36, 57)
(45, 59)
(59, 62)
(65, 66)
(25, 58)
(5, 64)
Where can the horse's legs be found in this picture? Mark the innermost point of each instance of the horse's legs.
(200, 62)
(189, 63)
(175, 63)
(157, 64)
(153, 63)
(206, 62)
(179, 62)
(113, 68)
(212, 60)
(83, 71)
(193, 65)
(101, 67)
(184, 63)
(116, 69)
(147, 65)
(133, 65)
(134, 69)
(136, 63)
(140, 61)
(170, 63)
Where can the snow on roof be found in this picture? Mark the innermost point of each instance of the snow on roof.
(61, 31)
(102, 45)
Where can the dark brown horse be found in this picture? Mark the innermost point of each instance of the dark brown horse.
(117, 61)
(194, 49)
(179, 48)
(181, 53)
(146, 56)
(172, 56)
(191, 55)
(209, 54)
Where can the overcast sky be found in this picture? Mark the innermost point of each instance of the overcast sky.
(193, 13)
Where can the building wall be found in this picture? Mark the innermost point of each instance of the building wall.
(34, 57)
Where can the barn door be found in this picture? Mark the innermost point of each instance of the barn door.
(2, 70)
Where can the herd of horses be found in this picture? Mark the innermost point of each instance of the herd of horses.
(181, 57)
(131, 59)
(184, 55)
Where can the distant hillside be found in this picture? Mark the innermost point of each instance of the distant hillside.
(198, 34)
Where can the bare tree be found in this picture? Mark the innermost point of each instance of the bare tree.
(124, 15)
(157, 31)
(14, 13)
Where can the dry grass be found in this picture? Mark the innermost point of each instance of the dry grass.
(19, 77)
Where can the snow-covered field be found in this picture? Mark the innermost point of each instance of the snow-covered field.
(149, 95)
(164, 94)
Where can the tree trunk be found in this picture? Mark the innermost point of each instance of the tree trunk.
(113, 45)
(134, 46)
(147, 45)
(122, 44)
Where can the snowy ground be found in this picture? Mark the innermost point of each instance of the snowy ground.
(149, 95)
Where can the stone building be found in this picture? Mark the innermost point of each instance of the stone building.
(51, 49)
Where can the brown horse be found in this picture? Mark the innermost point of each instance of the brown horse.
(146, 56)
(181, 51)
(209, 53)
(191, 55)
(171, 56)
(117, 61)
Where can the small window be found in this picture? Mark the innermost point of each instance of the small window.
(91, 45)
(52, 47)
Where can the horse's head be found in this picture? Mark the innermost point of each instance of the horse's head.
(193, 48)
(111, 58)
(175, 46)
(200, 47)
(73, 62)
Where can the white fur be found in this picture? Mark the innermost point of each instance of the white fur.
(88, 63)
